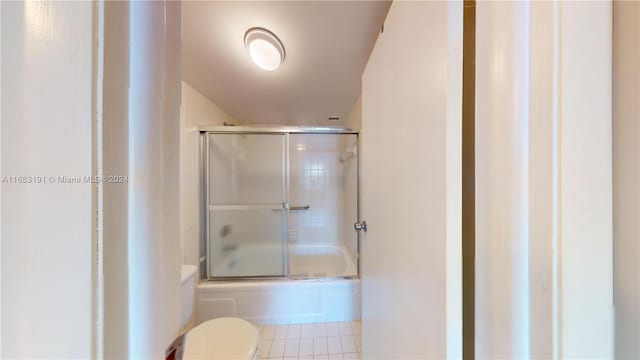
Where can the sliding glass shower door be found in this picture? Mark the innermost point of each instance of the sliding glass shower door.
(281, 204)
(246, 204)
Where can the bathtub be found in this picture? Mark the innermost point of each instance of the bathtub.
(324, 298)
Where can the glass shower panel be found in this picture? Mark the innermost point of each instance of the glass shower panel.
(246, 168)
(246, 205)
(323, 200)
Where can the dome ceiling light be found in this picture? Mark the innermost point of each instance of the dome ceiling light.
(264, 47)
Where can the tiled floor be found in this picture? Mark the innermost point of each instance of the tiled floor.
(339, 340)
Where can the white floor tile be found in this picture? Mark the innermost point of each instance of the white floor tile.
(306, 331)
(345, 328)
(319, 346)
(306, 347)
(319, 329)
(277, 349)
(356, 327)
(348, 344)
(291, 348)
(358, 341)
(265, 346)
(334, 340)
(268, 332)
(334, 345)
(281, 332)
(332, 329)
(294, 331)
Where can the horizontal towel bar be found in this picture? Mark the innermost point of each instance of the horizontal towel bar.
(303, 207)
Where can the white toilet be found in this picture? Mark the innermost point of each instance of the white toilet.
(223, 338)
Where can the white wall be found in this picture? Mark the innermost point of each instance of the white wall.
(196, 110)
(153, 212)
(585, 163)
(543, 146)
(47, 119)
(626, 176)
(354, 119)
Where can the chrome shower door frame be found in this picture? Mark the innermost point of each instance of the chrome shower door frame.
(205, 270)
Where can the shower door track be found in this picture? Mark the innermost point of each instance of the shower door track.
(275, 130)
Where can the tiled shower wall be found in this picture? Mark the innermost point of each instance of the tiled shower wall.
(316, 181)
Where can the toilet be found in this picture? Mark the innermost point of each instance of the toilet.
(223, 338)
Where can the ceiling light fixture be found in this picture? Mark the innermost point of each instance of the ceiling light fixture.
(264, 47)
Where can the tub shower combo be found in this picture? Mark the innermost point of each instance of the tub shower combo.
(278, 239)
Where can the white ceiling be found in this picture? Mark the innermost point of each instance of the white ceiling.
(327, 47)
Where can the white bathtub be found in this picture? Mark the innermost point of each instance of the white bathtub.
(271, 302)
(283, 301)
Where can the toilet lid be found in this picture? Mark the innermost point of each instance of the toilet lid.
(224, 338)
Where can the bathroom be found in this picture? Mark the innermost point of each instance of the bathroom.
(269, 168)
(320, 179)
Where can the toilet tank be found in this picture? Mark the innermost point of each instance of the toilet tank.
(187, 291)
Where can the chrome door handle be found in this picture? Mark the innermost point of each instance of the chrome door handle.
(359, 226)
